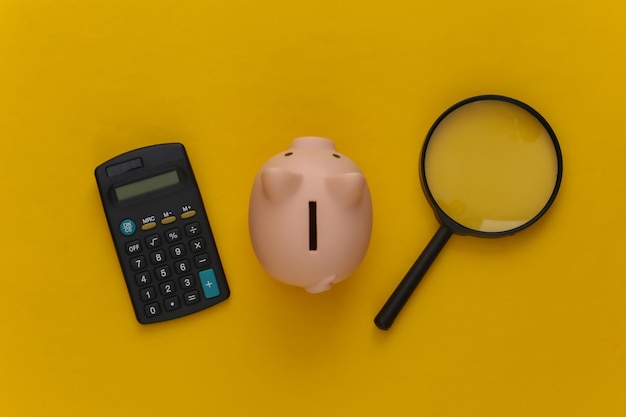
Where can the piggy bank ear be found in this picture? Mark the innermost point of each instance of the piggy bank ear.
(347, 188)
(278, 184)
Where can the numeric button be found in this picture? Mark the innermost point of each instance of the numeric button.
(157, 257)
(178, 250)
(163, 272)
(137, 263)
(187, 281)
(152, 310)
(148, 294)
(183, 266)
(143, 278)
(167, 288)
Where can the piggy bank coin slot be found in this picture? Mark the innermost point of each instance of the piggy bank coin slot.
(312, 226)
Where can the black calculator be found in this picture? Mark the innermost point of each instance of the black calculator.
(161, 233)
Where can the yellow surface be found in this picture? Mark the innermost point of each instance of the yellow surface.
(529, 325)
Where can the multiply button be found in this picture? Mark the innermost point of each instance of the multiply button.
(197, 245)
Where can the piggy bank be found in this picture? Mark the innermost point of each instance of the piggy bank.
(310, 215)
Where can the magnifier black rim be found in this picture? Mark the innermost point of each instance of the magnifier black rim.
(447, 220)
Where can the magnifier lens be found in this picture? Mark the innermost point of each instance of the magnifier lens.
(490, 166)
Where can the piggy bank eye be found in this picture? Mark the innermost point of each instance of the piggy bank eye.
(336, 156)
(289, 154)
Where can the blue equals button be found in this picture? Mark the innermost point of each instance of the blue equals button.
(209, 283)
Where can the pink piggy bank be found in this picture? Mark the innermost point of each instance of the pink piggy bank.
(310, 215)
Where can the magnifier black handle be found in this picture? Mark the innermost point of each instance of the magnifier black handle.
(403, 291)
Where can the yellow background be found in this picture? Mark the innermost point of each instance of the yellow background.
(529, 325)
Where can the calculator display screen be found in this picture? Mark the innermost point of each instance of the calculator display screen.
(147, 185)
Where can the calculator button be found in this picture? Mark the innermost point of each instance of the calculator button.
(182, 266)
(187, 281)
(171, 303)
(188, 214)
(178, 250)
(143, 278)
(209, 283)
(173, 235)
(133, 247)
(167, 288)
(153, 241)
(147, 294)
(202, 260)
(192, 229)
(191, 297)
(197, 245)
(168, 220)
(163, 272)
(128, 227)
(137, 263)
(152, 310)
(148, 226)
(157, 257)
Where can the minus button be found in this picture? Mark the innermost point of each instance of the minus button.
(168, 220)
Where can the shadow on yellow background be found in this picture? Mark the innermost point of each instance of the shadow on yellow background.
(528, 325)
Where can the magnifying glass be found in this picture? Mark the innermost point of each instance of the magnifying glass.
(490, 167)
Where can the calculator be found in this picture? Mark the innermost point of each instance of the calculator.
(161, 233)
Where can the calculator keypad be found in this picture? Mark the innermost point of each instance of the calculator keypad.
(172, 268)
(161, 232)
